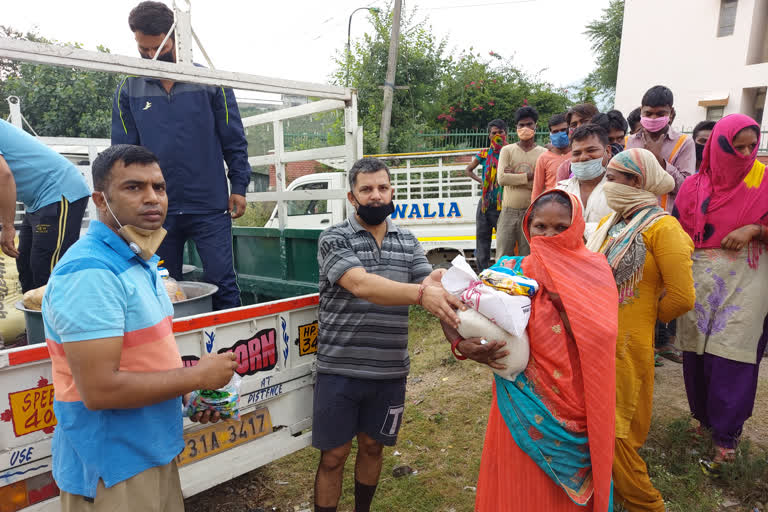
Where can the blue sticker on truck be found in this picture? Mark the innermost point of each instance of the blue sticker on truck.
(441, 210)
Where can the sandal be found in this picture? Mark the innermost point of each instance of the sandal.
(710, 468)
(724, 455)
(657, 361)
(671, 353)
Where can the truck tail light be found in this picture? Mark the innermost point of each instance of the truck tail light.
(19, 495)
(13, 497)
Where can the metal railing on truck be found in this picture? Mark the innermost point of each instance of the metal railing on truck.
(26, 456)
(432, 174)
(274, 263)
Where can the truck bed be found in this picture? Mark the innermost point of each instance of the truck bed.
(275, 343)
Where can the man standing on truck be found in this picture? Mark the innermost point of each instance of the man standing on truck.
(116, 367)
(192, 129)
(517, 163)
(55, 196)
(489, 207)
(369, 270)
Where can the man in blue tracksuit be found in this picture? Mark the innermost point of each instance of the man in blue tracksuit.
(192, 129)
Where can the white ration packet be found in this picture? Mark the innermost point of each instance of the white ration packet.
(510, 312)
(475, 325)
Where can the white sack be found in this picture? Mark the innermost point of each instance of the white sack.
(475, 325)
(510, 312)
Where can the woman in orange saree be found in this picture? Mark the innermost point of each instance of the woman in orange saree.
(550, 435)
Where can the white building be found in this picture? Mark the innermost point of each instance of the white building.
(712, 54)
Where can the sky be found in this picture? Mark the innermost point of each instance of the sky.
(298, 39)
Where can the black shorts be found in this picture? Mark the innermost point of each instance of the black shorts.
(345, 406)
(44, 237)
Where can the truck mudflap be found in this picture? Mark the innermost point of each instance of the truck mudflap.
(275, 345)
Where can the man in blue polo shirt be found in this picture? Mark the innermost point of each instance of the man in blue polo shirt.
(55, 196)
(116, 367)
(192, 129)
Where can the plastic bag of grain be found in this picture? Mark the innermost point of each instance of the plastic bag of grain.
(11, 319)
(475, 325)
(510, 312)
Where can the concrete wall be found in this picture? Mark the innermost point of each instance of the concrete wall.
(675, 43)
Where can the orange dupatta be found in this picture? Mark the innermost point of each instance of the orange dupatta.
(575, 377)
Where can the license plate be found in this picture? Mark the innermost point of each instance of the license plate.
(308, 339)
(223, 435)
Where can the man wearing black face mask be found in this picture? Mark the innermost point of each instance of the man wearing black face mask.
(701, 134)
(192, 129)
(369, 275)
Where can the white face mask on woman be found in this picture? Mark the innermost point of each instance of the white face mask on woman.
(588, 170)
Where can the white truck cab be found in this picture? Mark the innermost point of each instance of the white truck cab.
(438, 203)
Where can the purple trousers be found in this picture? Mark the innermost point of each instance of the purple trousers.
(721, 392)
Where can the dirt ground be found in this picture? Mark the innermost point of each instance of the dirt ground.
(432, 370)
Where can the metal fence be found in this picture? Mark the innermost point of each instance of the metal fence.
(440, 141)
(299, 141)
(443, 141)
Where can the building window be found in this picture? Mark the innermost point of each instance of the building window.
(727, 17)
(715, 113)
(753, 103)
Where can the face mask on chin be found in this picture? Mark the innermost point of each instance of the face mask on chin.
(374, 215)
(142, 242)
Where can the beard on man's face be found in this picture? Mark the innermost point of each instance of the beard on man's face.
(164, 57)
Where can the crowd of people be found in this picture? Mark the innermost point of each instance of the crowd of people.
(682, 223)
(645, 242)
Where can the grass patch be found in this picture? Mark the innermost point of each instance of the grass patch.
(256, 214)
(672, 453)
(447, 404)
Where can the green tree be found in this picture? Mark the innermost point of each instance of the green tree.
(586, 93)
(479, 90)
(444, 91)
(605, 35)
(59, 101)
(10, 68)
(421, 65)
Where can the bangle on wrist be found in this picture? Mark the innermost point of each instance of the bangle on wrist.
(421, 293)
(454, 348)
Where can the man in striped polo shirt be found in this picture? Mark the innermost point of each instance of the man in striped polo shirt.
(116, 367)
(369, 275)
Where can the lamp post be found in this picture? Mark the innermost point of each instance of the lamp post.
(349, 35)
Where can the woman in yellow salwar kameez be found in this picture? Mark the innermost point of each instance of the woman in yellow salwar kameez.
(650, 256)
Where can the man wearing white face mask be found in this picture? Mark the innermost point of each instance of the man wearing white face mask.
(590, 153)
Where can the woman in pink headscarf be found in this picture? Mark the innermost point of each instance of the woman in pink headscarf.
(724, 208)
